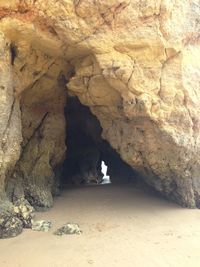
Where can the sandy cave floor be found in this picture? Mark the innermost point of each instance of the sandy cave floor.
(122, 226)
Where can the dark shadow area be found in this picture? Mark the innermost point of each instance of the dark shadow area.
(86, 150)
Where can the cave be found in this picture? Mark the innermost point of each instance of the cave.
(87, 152)
(133, 95)
(62, 147)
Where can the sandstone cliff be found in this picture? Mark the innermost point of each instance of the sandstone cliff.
(134, 63)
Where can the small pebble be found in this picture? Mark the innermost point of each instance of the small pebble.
(68, 229)
(42, 225)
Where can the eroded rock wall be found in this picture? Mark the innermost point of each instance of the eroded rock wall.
(10, 133)
(10, 139)
(43, 147)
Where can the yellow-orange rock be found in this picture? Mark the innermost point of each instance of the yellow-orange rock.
(134, 63)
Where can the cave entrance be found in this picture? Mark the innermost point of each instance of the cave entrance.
(84, 163)
(89, 158)
(104, 170)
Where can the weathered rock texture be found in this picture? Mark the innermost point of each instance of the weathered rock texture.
(134, 63)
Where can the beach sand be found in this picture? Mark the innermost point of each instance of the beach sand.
(122, 227)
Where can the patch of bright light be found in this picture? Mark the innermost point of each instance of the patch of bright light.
(104, 169)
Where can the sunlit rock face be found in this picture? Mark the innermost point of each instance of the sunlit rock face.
(134, 63)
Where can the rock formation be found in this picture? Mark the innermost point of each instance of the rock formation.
(133, 63)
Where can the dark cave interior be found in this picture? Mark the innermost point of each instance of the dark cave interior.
(86, 150)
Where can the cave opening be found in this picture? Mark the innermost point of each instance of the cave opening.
(62, 146)
(89, 158)
(83, 162)
(104, 170)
